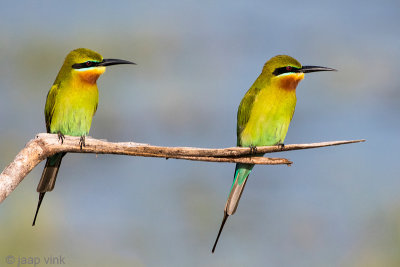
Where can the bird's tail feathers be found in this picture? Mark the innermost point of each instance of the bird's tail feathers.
(220, 230)
(242, 172)
(48, 179)
(49, 175)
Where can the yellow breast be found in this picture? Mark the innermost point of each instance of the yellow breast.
(272, 112)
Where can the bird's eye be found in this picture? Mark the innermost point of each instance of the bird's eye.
(88, 63)
(288, 68)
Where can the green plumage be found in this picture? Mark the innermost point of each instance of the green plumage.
(264, 115)
(263, 119)
(71, 104)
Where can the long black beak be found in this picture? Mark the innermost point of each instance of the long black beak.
(113, 61)
(307, 69)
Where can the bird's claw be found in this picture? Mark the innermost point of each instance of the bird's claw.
(281, 145)
(60, 137)
(253, 149)
(82, 141)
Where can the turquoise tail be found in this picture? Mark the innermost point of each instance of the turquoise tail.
(48, 179)
(242, 172)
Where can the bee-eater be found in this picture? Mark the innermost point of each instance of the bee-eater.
(70, 106)
(264, 115)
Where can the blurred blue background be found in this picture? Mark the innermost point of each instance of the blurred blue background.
(337, 206)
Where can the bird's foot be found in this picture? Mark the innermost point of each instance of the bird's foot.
(82, 141)
(281, 145)
(60, 137)
(253, 149)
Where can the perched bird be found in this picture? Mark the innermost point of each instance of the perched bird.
(264, 116)
(70, 106)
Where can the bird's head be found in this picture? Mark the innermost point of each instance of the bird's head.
(88, 65)
(287, 72)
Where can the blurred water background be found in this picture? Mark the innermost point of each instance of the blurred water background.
(337, 206)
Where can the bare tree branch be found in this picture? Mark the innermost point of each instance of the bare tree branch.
(45, 145)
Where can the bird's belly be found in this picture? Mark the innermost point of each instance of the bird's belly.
(75, 122)
(265, 131)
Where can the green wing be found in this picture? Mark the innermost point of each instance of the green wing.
(244, 111)
(50, 105)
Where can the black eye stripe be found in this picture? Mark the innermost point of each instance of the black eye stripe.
(286, 69)
(87, 64)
